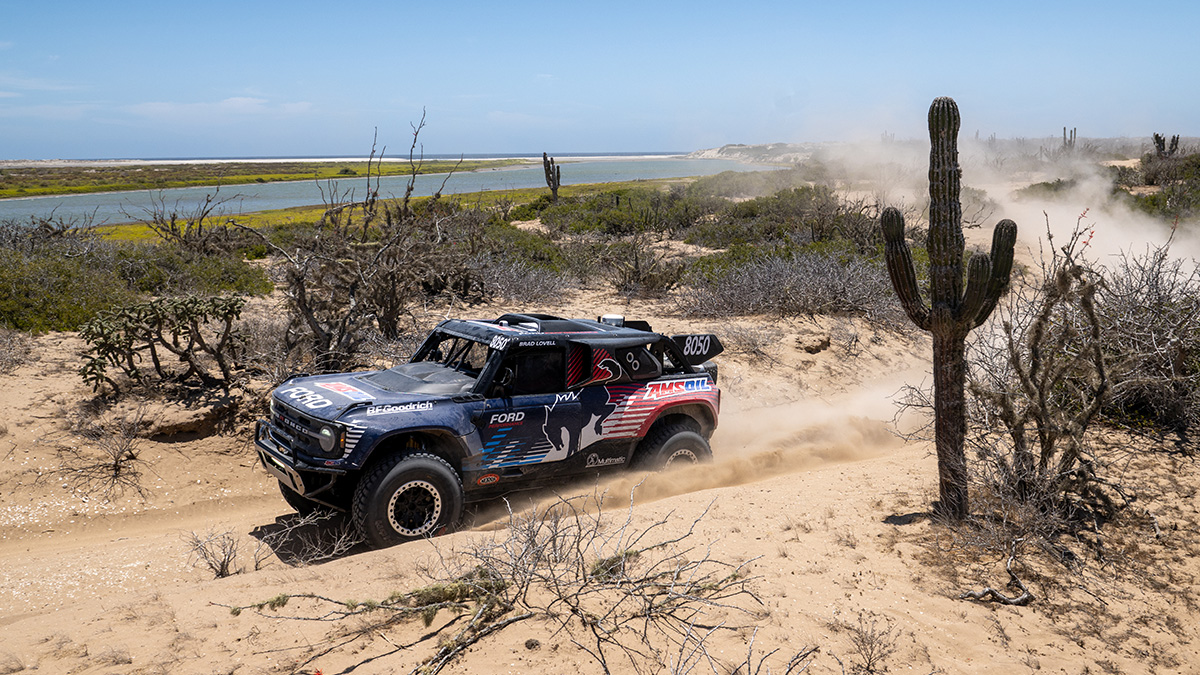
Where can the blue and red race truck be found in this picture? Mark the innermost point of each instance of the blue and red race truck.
(484, 408)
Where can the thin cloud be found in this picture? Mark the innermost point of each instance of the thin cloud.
(33, 84)
(236, 106)
(65, 111)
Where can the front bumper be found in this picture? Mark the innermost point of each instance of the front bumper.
(278, 460)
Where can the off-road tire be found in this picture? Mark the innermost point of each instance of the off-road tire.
(671, 446)
(407, 497)
(301, 504)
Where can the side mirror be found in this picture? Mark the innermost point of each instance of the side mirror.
(505, 377)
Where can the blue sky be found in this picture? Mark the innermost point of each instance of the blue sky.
(210, 79)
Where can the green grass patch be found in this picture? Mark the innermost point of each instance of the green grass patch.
(42, 181)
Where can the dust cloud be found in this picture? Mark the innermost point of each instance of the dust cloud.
(750, 445)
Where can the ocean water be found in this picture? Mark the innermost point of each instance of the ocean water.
(120, 207)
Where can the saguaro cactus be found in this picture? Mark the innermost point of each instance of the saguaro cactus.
(953, 312)
(553, 175)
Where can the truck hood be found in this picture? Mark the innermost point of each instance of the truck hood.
(329, 396)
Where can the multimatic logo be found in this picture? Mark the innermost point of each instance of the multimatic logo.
(595, 460)
(407, 407)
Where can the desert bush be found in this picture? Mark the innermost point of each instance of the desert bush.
(803, 284)
(305, 540)
(365, 262)
(871, 643)
(1037, 384)
(215, 551)
(195, 332)
(517, 281)
(202, 229)
(506, 243)
(529, 210)
(109, 464)
(1149, 309)
(15, 349)
(43, 291)
(641, 266)
(162, 269)
(793, 218)
(751, 184)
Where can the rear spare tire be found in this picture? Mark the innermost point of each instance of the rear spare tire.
(405, 498)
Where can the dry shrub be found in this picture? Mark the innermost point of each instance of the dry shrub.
(646, 594)
(751, 340)
(805, 284)
(519, 282)
(1150, 330)
(215, 551)
(305, 540)
(109, 464)
(15, 348)
(872, 644)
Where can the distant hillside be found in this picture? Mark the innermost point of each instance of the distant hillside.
(1046, 147)
(770, 153)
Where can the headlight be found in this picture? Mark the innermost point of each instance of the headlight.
(328, 437)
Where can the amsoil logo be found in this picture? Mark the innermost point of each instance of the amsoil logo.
(657, 390)
(507, 418)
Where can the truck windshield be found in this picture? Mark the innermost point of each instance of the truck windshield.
(461, 354)
(445, 365)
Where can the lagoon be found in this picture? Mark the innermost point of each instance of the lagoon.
(120, 207)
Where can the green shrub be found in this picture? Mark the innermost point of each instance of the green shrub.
(512, 244)
(41, 293)
(530, 210)
(1047, 190)
(161, 269)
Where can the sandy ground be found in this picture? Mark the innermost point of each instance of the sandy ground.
(810, 491)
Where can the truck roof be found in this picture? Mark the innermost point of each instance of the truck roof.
(526, 328)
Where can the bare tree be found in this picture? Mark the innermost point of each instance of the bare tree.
(368, 260)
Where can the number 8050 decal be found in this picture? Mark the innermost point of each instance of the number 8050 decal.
(696, 345)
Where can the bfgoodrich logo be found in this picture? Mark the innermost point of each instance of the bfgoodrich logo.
(407, 407)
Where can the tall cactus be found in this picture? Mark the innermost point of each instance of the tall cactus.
(953, 312)
(553, 176)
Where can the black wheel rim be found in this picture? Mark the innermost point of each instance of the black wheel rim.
(680, 458)
(415, 508)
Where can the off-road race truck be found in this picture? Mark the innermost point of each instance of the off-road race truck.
(484, 408)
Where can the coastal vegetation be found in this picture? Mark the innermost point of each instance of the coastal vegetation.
(40, 180)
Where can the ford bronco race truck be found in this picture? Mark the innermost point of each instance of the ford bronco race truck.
(488, 407)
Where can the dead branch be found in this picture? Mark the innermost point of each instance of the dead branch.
(993, 595)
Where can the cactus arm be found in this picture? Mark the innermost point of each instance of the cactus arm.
(1004, 239)
(979, 272)
(901, 269)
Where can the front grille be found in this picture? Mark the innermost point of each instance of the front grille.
(294, 431)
